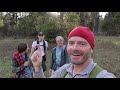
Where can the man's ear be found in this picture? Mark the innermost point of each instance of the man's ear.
(92, 51)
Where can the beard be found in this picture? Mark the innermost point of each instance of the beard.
(83, 57)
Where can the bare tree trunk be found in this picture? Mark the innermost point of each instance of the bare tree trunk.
(96, 22)
(61, 27)
(82, 18)
(61, 15)
(83, 21)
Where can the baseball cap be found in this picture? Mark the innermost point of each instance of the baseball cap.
(41, 34)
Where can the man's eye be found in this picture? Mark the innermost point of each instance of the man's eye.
(83, 44)
(71, 43)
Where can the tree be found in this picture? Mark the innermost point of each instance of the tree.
(96, 24)
(110, 25)
(82, 19)
(71, 20)
(1, 19)
(61, 29)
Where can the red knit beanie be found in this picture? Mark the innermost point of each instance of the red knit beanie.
(83, 32)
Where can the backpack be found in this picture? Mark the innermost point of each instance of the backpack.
(44, 45)
(92, 74)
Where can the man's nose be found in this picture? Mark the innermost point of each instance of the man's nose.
(76, 46)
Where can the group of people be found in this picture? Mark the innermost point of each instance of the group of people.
(73, 60)
(22, 64)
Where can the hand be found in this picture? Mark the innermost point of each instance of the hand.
(37, 59)
(26, 63)
(51, 72)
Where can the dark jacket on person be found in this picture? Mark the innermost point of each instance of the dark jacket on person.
(64, 58)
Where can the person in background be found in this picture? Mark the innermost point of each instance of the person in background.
(59, 55)
(43, 45)
(21, 63)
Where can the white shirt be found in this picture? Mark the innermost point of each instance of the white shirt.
(34, 44)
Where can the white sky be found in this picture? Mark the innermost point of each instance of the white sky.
(101, 13)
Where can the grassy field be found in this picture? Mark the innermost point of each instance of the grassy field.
(106, 54)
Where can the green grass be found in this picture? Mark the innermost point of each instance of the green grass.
(7, 47)
(5, 68)
(106, 54)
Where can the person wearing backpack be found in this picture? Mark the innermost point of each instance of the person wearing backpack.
(21, 63)
(43, 45)
(80, 49)
(59, 55)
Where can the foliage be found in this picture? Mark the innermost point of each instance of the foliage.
(71, 20)
(111, 24)
(1, 19)
(28, 24)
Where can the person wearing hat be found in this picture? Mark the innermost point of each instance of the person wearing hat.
(43, 45)
(80, 49)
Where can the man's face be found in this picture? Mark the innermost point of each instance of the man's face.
(41, 38)
(59, 42)
(27, 50)
(79, 50)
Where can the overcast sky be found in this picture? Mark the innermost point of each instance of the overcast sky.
(101, 13)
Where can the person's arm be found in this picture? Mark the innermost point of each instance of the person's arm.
(34, 44)
(20, 68)
(38, 73)
(52, 63)
(52, 60)
(36, 59)
(29, 60)
(46, 46)
(37, 64)
(15, 67)
(46, 50)
(32, 51)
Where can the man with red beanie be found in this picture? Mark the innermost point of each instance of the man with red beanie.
(80, 48)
